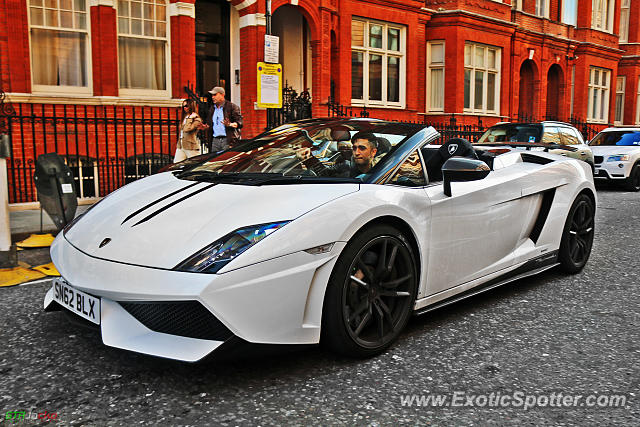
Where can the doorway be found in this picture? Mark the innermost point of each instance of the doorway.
(555, 93)
(295, 47)
(212, 46)
(526, 104)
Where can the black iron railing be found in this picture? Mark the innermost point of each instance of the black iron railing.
(338, 110)
(106, 147)
(294, 107)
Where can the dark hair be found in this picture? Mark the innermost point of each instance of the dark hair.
(191, 106)
(368, 136)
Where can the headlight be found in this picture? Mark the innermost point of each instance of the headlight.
(218, 254)
(618, 158)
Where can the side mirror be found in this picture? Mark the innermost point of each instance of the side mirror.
(462, 169)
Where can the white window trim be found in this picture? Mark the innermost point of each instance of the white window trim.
(544, 5)
(473, 68)
(437, 67)
(52, 89)
(148, 93)
(620, 92)
(608, 26)
(599, 108)
(384, 52)
(624, 28)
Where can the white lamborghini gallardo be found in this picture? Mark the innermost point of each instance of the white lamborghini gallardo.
(261, 244)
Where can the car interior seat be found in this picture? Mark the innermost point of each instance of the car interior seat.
(454, 147)
(384, 146)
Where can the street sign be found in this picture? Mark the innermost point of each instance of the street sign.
(269, 85)
(271, 49)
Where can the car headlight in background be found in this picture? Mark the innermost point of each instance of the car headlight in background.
(618, 158)
(218, 254)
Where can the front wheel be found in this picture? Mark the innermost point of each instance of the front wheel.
(370, 294)
(632, 183)
(577, 236)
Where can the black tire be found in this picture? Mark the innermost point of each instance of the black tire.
(363, 317)
(577, 236)
(632, 183)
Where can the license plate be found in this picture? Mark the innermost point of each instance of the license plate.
(82, 304)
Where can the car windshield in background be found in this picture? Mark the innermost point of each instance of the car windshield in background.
(507, 133)
(310, 152)
(621, 138)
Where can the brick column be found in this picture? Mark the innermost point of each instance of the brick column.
(251, 52)
(14, 47)
(104, 47)
(321, 62)
(183, 45)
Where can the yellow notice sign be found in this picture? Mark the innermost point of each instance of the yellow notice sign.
(269, 85)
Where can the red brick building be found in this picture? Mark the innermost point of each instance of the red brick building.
(400, 59)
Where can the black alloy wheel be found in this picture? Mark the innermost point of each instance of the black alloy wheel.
(371, 293)
(632, 183)
(577, 237)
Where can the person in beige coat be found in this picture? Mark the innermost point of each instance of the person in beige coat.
(188, 143)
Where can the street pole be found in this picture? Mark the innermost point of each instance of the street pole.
(7, 252)
(267, 16)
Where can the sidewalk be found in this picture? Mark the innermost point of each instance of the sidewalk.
(26, 222)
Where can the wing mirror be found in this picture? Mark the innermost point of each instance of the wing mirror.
(462, 169)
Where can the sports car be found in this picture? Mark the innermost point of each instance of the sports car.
(266, 243)
(617, 156)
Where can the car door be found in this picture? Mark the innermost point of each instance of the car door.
(571, 137)
(475, 231)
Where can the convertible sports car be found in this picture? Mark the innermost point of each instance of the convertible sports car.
(288, 239)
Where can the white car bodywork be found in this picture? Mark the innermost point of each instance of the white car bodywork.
(274, 292)
(609, 163)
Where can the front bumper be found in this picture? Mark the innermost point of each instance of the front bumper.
(278, 301)
(612, 170)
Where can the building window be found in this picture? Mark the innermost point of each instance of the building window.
(620, 83)
(377, 63)
(624, 21)
(602, 15)
(435, 76)
(570, 12)
(59, 45)
(542, 8)
(599, 80)
(142, 45)
(481, 78)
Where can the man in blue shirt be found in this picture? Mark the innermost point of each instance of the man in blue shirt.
(225, 121)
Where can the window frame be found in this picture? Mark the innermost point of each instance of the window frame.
(600, 112)
(622, 93)
(385, 53)
(486, 70)
(542, 8)
(62, 89)
(431, 67)
(624, 21)
(608, 8)
(148, 93)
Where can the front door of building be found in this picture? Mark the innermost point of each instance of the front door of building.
(212, 46)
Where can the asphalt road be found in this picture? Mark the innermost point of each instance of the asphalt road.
(533, 339)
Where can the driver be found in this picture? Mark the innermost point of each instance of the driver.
(364, 148)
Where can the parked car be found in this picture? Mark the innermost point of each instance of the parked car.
(260, 244)
(559, 138)
(616, 153)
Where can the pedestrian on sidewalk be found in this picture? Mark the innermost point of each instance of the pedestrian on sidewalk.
(225, 121)
(188, 143)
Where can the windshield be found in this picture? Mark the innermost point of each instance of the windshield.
(512, 132)
(621, 138)
(348, 149)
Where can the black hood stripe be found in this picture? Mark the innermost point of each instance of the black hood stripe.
(175, 202)
(158, 201)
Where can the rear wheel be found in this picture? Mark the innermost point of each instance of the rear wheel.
(632, 183)
(577, 236)
(370, 293)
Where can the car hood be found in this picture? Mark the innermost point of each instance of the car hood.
(609, 150)
(160, 221)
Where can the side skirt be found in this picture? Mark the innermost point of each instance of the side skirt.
(530, 268)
